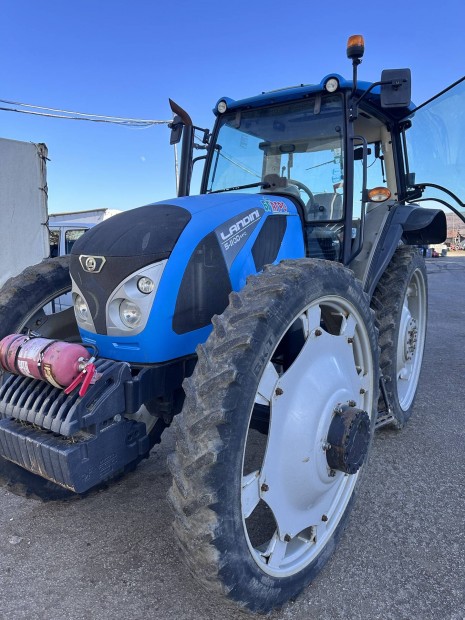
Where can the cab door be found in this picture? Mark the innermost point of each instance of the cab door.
(434, 148)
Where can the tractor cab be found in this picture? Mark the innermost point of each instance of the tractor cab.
(343, 151)
(310, 150)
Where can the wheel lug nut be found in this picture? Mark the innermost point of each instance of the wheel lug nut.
(278, 391)
(352, 403)
(264, 488)
(318, 332)
(287, 538)
(326, 446)
(362, 391)
(324, 518)
(350, 340)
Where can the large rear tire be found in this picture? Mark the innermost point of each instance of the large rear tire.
(259, 500)
(400, 304)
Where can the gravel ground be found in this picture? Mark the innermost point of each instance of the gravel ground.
(112, 555)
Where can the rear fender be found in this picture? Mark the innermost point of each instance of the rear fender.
(411, 225)
(425, 226)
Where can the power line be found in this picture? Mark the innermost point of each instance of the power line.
(79, 116)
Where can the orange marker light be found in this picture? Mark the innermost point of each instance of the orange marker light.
(379, 194)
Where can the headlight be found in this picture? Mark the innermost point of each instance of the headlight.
(81, 308)
(145, 285)
(130, 314)
(129, 305)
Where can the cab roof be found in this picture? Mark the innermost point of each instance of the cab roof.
(302, 91)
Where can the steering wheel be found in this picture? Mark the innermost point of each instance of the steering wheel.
(304, 188)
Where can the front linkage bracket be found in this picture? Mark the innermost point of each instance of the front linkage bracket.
(79, 442)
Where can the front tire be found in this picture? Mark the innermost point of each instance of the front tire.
(400, 304)
(33, 301)
(259, 504)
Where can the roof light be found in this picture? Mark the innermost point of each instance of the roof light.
(355, 46)
(379, 194)
(332, 85)
(222, 106)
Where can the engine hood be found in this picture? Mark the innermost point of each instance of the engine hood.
(196, 233)
(111, 251)
(150, 232)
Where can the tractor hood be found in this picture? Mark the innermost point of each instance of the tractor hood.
(194, 249)
(114, 249)
(148, 233)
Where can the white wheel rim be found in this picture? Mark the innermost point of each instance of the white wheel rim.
(304, 499)
(410, 345)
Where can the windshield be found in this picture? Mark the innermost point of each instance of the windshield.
(436, 143)
(298, 147)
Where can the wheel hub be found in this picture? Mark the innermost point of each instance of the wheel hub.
(348, 438)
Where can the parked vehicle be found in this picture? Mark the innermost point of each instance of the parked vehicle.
(66, 228)
(276, 319)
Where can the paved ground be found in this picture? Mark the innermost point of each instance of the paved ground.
(112, 555)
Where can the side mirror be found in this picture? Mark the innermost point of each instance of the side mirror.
(396, 87)
(180, 119)
(176, 130)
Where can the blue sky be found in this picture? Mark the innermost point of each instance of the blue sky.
(126, 58)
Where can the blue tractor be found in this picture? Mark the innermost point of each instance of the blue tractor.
(275, 319)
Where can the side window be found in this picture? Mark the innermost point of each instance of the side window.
(54, 240)
(71, 236)
(376, 174)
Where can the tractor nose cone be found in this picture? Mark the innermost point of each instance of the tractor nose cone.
(349, 437)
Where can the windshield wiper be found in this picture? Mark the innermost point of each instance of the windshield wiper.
(232, 189)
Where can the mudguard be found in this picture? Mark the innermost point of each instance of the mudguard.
(411, 224)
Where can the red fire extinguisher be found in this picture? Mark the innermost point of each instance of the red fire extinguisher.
(62, 364)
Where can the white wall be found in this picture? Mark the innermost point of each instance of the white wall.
(23, 206)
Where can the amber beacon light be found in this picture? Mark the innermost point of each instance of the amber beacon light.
(355, 46)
